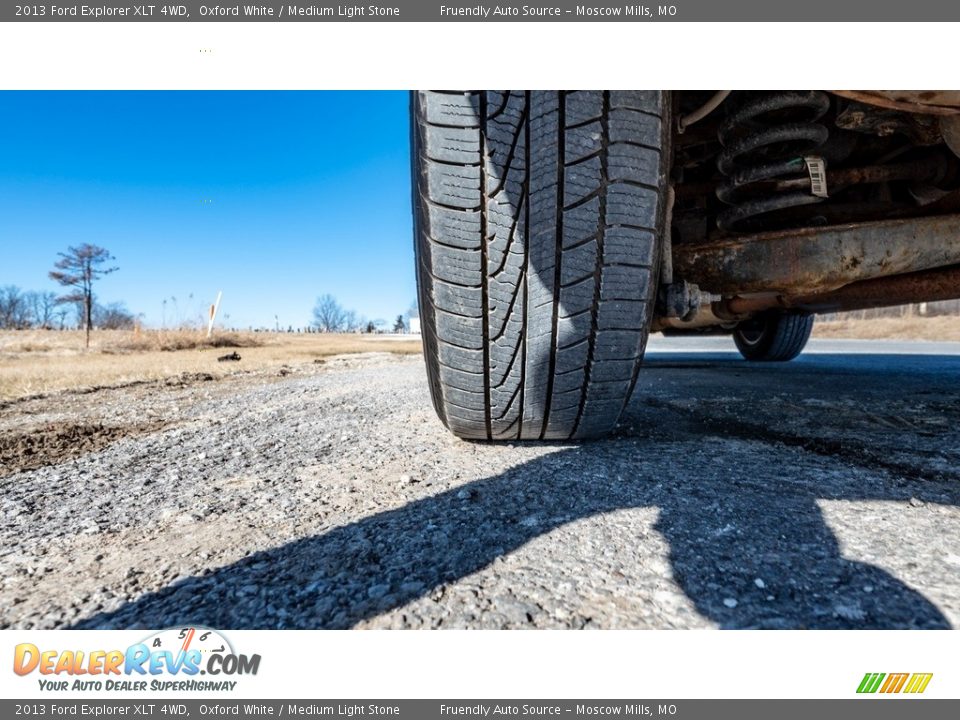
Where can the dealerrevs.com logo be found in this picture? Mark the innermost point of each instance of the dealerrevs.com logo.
(169, 660)
(891, 683)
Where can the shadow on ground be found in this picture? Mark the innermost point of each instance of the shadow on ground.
(744, 508)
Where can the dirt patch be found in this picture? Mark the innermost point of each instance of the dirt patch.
(54, 443)
(177, 381)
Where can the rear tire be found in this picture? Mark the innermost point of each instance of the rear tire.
(538, 218)
(773, 336)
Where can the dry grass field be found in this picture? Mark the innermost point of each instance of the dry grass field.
(941, 329)
(34, 362)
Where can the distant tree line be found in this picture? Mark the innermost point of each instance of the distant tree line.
(76, 270)
(81, 266)
(20, 310)
(330, 316)
(23, 310)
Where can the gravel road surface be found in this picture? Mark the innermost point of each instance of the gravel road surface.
(819, 494)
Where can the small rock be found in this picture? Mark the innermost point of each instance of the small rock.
(868, 588)
(916, 502)
(730, 602)
(770, 598)
(464, 494)
(759, 583)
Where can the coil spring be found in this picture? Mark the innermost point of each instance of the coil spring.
(765, 140)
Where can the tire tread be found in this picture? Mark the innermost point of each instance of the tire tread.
(534, 220)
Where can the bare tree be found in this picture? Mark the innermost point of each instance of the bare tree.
(329, 315)
(14, 311)
(61, 316)
(42, 307)
(114, 316)
(353, 322)
(400, 325)
(79, 268)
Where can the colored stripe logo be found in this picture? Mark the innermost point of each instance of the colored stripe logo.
(913, 683)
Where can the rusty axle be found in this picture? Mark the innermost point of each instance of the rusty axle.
(924, 286)
(813, 261)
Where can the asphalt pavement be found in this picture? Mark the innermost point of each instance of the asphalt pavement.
(821, 493)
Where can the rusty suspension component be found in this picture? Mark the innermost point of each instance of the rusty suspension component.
(930, 102)
(760, 146)
(818, 260)
(929, 169)
(924, 286)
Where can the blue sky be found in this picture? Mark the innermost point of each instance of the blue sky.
(273, 197)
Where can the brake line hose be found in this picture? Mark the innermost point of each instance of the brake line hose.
(701, 112)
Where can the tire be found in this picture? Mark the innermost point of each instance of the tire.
(538, 218)
(773, 336)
